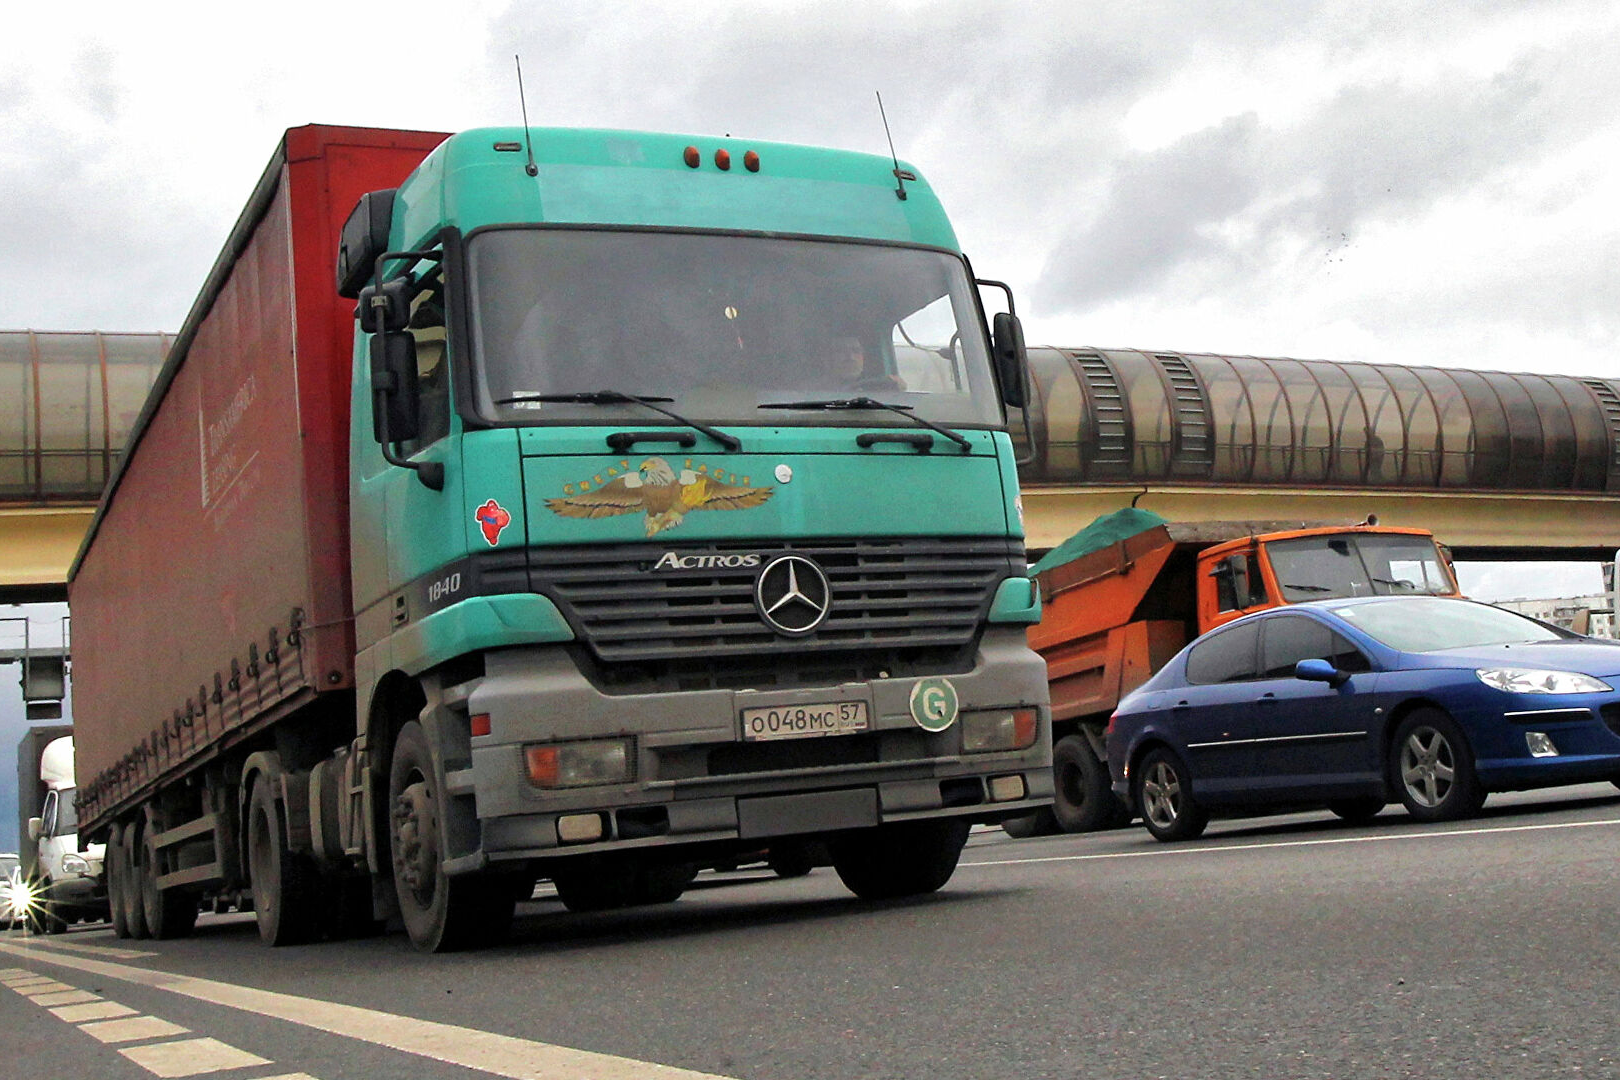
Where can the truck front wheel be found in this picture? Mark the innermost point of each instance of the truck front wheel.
(285, 896)
(899, 860)
(440, 912)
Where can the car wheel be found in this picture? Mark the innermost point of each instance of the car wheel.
(1357, 811)
(1164, 798)
(1432, 768)
(1081, 798)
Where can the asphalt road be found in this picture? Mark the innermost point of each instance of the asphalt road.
(1279, 947)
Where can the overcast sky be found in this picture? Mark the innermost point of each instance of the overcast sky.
(1416, 183)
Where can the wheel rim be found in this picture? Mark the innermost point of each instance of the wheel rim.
(259, 858)
(1161, 794)
(1428, 767)
(416, 846)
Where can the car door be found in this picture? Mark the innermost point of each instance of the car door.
(1212, 715)
(1312, 738)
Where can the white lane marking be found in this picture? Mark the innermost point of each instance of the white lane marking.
(96, 1010)
(288, 1076)
(94, 950)
(502, 1055)
(1216, 849)
(133, 1029)
(65, 997)
(188, 1057)
(49, 986)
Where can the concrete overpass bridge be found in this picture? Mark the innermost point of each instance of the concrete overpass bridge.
(1499, 466)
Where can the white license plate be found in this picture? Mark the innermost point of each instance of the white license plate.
(803, 721)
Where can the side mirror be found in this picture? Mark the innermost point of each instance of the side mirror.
(1320, 671)
(364, 237)
(1012, 362)
(35, 828)
(396, 393)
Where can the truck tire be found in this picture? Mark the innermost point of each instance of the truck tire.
(790, 860)
(285, 893)
(899, 860)
(1081, 798)
(171, 913)
(1040, 823)
(129, 870)
(441, 913)
(113, 862)
(591, 884)
(53, 918)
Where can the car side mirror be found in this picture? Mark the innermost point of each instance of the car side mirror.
(1320, 671)
(1012, 359)
(35, 828)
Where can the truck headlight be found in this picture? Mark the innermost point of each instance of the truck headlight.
(75, 864)
(578, 764)
(997, 729)
(1533, 681)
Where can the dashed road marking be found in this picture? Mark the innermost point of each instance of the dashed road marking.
(95, 1010)
(1208, 848)
(189, 1057)
(503, 1055)
(49, 986)
(134, 1029)
(93, 950)
(63, 997)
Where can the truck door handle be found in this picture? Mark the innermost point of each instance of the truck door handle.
(624, 440)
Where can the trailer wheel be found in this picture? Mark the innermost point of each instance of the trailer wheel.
(1081, 798)
(441, 913)
(113, 860)
(899, 860)
(171, 913)
(129, 871)
(285, 896)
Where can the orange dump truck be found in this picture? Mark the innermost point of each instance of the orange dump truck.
(1122, 596)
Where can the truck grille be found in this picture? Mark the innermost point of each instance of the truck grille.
(897, 604)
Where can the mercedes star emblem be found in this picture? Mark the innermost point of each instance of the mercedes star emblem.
(792, 594)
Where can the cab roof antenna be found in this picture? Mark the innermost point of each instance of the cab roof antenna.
(528, 143)
(900, 175)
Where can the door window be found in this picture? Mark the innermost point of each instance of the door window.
(1227, 656)
(48, 815)
(1292, 638)
(1237, 583)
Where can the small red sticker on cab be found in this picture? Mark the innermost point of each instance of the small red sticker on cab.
(492, 518)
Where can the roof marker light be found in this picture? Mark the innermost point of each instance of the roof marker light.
(722, 160)
(692, 157)
(751, 161)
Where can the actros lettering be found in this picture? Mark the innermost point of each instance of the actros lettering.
(672, 560)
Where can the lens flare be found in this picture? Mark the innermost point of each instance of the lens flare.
(20, 902)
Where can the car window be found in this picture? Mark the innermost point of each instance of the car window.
(1422, 624)
(1288, 639)
(1237, 583)
(1227, 656)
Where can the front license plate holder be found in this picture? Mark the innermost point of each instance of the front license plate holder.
(804, 720)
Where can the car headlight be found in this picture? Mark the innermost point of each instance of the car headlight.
(75, 864)
(1531, 681)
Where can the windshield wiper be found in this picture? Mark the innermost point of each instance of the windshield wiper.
(1307, 588)
(872, 403)
(619, 397)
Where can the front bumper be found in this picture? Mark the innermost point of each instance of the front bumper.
(696, 781)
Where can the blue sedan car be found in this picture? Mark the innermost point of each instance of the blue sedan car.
(1350, 704)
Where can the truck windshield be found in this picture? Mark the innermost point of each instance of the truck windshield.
(722, 324)
(1358, 564)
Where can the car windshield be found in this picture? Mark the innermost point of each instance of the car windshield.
(1429, 625)
(721, 324)
(1358, 564)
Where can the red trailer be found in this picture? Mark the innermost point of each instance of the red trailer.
(226, 523)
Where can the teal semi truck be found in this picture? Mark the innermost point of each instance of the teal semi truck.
(629, 502)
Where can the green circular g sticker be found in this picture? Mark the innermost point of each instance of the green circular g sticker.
(934, 704)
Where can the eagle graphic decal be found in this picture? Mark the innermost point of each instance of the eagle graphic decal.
(654, 488)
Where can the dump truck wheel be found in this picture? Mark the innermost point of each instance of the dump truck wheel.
(285, 893)
(899, 860)
(169, 914)
(1081, 798)
(440, 912)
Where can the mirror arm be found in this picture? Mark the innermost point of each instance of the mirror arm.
(431, 473)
